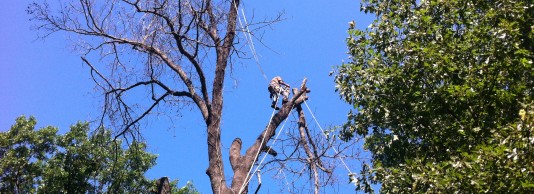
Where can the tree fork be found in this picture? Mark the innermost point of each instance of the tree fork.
(174, 40)
(216, 169)
(241, 164)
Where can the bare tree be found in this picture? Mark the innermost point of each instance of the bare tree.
(177, 52)
(309, 152)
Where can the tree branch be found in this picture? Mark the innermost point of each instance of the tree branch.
(130, 124)
(252, 153)
(312, 160)
(178, 40)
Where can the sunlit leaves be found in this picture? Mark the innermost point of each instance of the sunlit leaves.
(23, 152)
(439, 77)
(41, 161)
(502, 164)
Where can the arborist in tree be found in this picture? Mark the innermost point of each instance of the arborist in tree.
(277, 87)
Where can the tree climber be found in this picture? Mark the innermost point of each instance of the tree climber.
(277, 87)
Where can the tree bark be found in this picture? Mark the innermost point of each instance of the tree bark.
(311, 160)
(241, 164)
(216, 168)
(172, 37)
(163, 186)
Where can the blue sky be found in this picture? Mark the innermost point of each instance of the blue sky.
(46, 79)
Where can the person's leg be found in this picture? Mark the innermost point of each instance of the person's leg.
(276, 95)
(274, 98)
(273, 95)
(273, 104)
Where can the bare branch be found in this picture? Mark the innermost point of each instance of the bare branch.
(165, 47)
(142, 115)
(179, 42)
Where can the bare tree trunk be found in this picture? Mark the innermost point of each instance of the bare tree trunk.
(311, 160)
(174, 35)
(216, 169)
(242, 164)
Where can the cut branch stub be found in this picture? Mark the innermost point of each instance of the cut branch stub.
(299, 96)
(242, 164)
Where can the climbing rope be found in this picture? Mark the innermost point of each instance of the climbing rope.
(275, 139)
(322, 131)
(248, 36)
(351, 175)
(261, 145)
(264, 156)
(285, 177)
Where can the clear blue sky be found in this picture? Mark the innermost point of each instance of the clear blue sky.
(46, 79)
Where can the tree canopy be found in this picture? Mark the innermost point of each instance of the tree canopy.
(23, 153)
(41, 161)
(437, 87)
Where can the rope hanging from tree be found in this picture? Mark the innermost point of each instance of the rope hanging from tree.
(250, 42)
(247, 180)
(352, 177)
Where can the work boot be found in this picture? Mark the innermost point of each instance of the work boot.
(273, 105)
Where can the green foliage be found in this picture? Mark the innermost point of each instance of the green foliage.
(97, 164)
(188, 188)
(432, 84)
(501, 164)
(23, 153)
(44, 162)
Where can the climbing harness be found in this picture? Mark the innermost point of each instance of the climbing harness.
(281, 88)
(248, 36)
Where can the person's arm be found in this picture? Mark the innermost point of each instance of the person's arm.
(283, 83)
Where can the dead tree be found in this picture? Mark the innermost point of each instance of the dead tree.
(162, 47)
(313, 153)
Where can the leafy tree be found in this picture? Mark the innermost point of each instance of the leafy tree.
(188, 188)
(96, 164)
(437, 84)
(23, 153)
(40, 161)
(501, 164)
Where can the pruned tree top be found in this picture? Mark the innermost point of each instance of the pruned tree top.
(176, 53)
